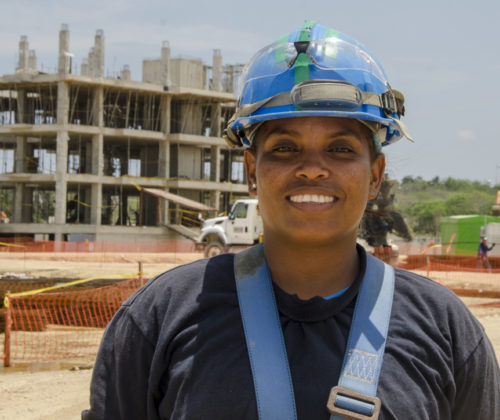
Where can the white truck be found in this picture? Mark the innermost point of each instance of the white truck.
(241, 227)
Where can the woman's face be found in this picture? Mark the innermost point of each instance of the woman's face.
(314, 176)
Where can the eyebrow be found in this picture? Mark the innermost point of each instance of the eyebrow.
(342, 132)
(281, 130)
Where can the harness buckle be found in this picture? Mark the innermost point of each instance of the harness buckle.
(353, 405)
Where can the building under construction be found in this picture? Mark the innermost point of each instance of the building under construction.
(84, 156)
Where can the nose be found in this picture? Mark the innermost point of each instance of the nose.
(312, 167)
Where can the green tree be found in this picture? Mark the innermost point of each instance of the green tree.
(425, 217)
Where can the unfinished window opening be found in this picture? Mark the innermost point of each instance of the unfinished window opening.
(77, 205)
(128, 157)
(126, 206)
(111, 212)
(189, 116)
(206, 165)
(42, 159)
(78, 147)
(186, 162)
(133, 209)
(38, 104)
(134, 167)
(81, 100)
(206, 129)
(8, 106)
(6, 204)
(237, 172)
(7, 157)
(43, 202)
(132, 110)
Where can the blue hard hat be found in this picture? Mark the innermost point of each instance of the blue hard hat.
(316, 71)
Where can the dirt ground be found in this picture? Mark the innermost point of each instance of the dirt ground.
(52, 392)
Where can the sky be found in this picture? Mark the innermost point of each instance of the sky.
(443, 55)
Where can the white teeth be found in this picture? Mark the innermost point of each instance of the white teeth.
(310, 198)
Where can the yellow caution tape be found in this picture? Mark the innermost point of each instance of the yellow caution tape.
(12, 245)
(72, 283)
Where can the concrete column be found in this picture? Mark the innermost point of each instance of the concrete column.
(21, 107)
(164, 153)
(98, 107)
(91, 62)
(64, 63)
(166, 106)
(215, 163)
(125, 72)
(99, 53)
(164, 146)
(215, 199)
(17, 215)
(165, 64)
(32, 60)
(164, 159)
(61, 176)
(62, 103)
(97, 155)
(21, 152)
(215, 128)
(96, 202)
(217, 71)
(62, 139)
(22, 63)
(84, 67)
(88, 157)
(23, 209)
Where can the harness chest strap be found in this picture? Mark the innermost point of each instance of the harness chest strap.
(355, 395)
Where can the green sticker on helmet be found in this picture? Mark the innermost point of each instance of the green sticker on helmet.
(330, 47)
(302, 62)
(280, 54)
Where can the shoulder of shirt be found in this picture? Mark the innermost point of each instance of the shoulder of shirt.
(183, 278)
(440, 302)
(174, 294)
(414, 284)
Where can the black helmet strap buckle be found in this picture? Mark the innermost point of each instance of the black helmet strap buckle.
(393, 102)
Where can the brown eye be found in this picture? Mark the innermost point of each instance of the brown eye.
(340, 149)
(284, 148)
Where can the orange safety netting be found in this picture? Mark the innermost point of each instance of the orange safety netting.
(461, 263)
(67, 325)
(47, 325)
(26, 244)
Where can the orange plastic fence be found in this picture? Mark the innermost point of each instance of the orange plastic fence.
(45, 326)
(449, 263)
(48, 325)
(26, 244)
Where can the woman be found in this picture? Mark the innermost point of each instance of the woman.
(199, 342)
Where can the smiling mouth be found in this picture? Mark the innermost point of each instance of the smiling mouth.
(311, 198)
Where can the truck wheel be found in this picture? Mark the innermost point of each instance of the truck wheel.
(214, 248)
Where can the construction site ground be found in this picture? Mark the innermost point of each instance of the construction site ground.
(60, 392)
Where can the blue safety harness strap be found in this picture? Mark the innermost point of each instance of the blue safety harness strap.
(357, 388)
(355, 395)
(264, 337)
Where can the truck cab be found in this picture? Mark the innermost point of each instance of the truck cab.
(241, 227)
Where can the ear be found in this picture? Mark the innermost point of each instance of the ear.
(250, 171)
(377, 174)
